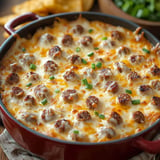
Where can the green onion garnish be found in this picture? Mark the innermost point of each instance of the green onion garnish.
(51, 77)
(23, 49)
(89, 86)
(44, 101)
(104, 38)
(90, 30)
(57, 90)
(91, 54)
(32, 66)
(78, 49)
(96, 48)
(99, 65)
(29, 84)
(101, 116)
(84, 61)
(76, 132)
(136, 101)
(93, 66)
(146, 50)
(84, 81)
(128, 91)
(96, 113)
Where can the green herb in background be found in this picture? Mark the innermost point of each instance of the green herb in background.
(144, 9)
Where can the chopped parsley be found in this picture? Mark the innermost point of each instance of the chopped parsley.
(57, 90)
(96, 113)
(90, 30)
(51, 77)
(146, 50)
(91, 54)
(23, 49)
(93, 66)
(29, 84)
(44, 101)
(32, 66)
(104, 38)
(99, 65)
(128, 91)
(76, 131)
(84, 61)
(78, 49)
(87, 85)
(136, 101)
(101, 116)
(96, 48)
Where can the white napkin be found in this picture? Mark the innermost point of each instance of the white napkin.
(15, 152)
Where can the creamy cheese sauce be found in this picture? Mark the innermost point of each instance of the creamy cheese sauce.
(51, 114)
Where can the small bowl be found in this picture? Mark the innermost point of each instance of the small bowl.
(109, 7)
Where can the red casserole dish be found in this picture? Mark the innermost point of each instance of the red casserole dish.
(51, 148)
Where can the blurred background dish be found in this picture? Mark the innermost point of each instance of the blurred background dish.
(110, 7)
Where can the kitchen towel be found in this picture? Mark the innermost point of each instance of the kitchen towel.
(15, 152)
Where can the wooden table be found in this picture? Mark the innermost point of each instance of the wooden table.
(5, 8)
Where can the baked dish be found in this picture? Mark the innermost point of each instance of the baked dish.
(82, 80)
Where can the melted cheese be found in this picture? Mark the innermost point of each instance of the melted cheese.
(93, 130)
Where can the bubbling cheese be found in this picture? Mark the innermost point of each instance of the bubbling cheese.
(83, 81)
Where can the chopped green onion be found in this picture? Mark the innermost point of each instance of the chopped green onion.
(91, 54)
(29, 84)
(78, 49)
(44, 101)
(32, 66)
(93, 66)
(128, 91)
(84, 61)
(104, 38)
(84, 81)
(96, 48)
(57, 90)
(99, 65)
(23, 49)
(96, 113)
(146, 50)
(101, 116)
(76, 132)
(51, 77)
(89, 86)
(90, 30)
(136, 101)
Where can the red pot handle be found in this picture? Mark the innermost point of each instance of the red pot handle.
(9, 26)
(147, 146)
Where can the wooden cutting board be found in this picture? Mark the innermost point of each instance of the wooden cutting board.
(2, 155)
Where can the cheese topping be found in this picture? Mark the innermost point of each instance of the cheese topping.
(83, 81)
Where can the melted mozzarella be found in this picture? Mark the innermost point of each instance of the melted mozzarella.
(93, 130)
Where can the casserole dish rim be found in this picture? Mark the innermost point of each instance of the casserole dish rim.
(62, 15)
